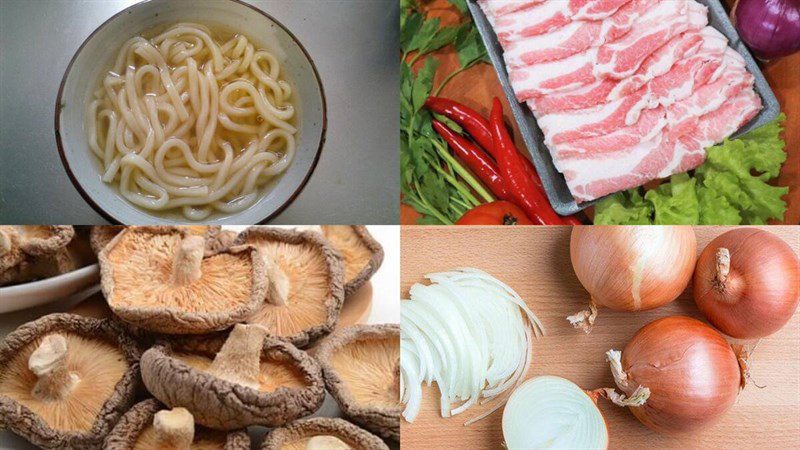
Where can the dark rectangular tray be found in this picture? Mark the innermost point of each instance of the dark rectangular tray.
(553, 181)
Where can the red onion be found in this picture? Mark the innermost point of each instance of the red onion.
(747, 283)
(677, 374)
(771, 28)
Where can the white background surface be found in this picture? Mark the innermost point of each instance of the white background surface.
(385, 309)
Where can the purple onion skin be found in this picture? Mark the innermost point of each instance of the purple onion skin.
(771, 28)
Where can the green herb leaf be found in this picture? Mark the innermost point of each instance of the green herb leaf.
(469, 46)
(460, 4)
(423, 83)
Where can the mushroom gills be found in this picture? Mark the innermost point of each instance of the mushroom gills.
(64, 378)
(240, 361)
(320, 442)
(299, 284)
(348, 243)
(370, 370)
(173, 274)
(175, 430)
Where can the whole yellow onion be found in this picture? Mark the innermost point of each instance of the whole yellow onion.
(631, 268)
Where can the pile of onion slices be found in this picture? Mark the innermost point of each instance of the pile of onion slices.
(468, 332)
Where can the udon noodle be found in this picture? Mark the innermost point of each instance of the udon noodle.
(185, 122)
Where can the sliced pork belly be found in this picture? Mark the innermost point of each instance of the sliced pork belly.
(616, 123)
(574, 37)
(660, 24)
(711, 129)
(546, 16)
(704, 45)
(598, 174)
(555, 76)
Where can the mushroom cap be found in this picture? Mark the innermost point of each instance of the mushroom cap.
(360, 365)
(176, 373)
(33, 252)
(362, 254)
(11, 255)
(136, 270)
(44, 239)
(220, 241)
(295, 435)
(18, 409)
(101, 235)
(316, 283)
(138, 419)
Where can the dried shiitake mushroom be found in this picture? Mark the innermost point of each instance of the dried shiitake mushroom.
(65, 380)
(150, 425)
(220, 241)
(322, 433)
(31, 252)
(362, 254)
(306, 283)
(361, 365)
(158, 279)
(247, 379)
(103, 234)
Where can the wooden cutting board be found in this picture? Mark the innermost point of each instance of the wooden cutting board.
(535, 262)
(477, 86)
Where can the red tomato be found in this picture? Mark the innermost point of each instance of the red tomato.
(495, 213)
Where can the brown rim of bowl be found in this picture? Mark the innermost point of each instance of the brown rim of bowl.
(88, 199)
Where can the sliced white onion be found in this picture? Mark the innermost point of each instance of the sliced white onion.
(468, 332)
(554, 413)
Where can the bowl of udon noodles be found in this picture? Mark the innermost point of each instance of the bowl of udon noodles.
(185, 111)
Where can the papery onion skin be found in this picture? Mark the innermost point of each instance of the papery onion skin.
(607, 261)
(761, 291)
(692, 373)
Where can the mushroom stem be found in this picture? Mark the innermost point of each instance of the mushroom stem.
(49, 363)
(278, 292)
(326, 442)
(395, 386)
(239, 359)
(189, 257)
(174, 428)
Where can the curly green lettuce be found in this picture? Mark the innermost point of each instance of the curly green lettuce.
(730, 188)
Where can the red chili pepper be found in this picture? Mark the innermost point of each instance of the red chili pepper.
(477, 161)
(476, 126)
(512, 167)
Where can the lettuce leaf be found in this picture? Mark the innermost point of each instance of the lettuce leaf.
(730, 188)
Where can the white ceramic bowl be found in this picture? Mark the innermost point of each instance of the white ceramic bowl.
(95, 57)
(35, 293)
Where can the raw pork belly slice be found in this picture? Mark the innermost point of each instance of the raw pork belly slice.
(625, 92)
(668, 19)
(605, 90)
(555, 76)
(574, 37)
(599, 174)
(543, 17)
(617, 123)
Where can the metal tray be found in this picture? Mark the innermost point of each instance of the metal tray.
(552, 180)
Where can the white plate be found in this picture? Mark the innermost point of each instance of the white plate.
(35, 293)
(97, 54)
